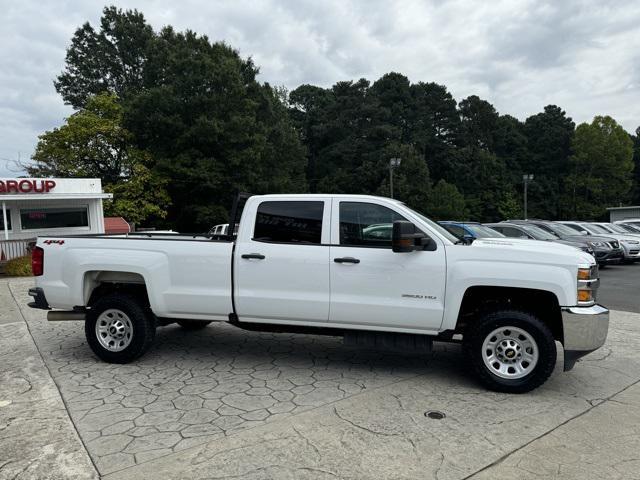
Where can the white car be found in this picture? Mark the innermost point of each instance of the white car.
(630, 243)
(317, 264)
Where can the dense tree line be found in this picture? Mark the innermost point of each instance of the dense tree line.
(173, 123)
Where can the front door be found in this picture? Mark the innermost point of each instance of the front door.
(372, 285)
(282, 264)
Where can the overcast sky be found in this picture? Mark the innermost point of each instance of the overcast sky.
(519, 55)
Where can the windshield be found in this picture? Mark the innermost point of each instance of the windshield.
(561, 229)
(616, 228)
(594, 228)
(438, 228)
(480, 231)
(630, 228)
(538, 233)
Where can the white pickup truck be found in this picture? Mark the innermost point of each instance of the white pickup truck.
(365, 267)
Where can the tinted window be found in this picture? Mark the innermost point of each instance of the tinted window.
(289, 222)
(366, 224)
(538, 233)
(511, 232)
(455, 229)
(480, 231)
(8, 220)
(33, 219)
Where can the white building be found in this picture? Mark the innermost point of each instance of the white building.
(623, 213)
(33, 207)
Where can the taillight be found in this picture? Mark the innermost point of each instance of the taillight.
(37, 261)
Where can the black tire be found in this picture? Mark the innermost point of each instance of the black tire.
(142, 323)
(193, 324)
(479, 330)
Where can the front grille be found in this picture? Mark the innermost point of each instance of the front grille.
(634, 252)
(614, 244)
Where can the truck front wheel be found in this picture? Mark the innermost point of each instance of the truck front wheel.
(119, 328)
(510, 351)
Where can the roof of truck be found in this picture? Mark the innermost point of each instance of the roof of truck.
(326, 195)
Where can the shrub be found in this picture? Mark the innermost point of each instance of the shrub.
(19, 267)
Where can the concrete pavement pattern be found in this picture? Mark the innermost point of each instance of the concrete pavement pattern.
(225, 403)
(37, 438)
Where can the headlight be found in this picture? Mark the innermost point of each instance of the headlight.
(600, 244)
(631, 242)
(587, 285)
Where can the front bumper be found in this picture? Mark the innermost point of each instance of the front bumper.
(615, 255)
(584, 330)
(631, 252)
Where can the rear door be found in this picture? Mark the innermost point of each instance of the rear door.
(372, 285)
(282, 261)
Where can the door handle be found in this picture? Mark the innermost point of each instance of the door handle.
(256, 256)
(346, 260)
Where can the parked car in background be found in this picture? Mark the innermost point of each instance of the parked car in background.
(628, 227)
(469, 231)
(629, 244)
(613, 228)
(634, 222)
(522, 229)
(607, 250)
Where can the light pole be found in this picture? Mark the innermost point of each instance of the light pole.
(526, 179)
(393, 163)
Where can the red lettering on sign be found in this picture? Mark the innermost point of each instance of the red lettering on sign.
(26, 186)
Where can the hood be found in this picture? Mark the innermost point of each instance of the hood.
(589, 238)
(529, 251)
(569, 241)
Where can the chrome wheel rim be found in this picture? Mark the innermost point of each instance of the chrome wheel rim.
(114, 330)
(510, 352)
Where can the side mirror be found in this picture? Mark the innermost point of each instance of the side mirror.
(407, 238)
(468, 239)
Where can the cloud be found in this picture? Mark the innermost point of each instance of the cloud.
(520, 55)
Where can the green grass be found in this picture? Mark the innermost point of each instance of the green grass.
(18, 267)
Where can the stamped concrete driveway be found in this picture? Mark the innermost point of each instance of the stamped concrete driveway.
(225, 403)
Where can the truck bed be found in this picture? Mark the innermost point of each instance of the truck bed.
(186, 276)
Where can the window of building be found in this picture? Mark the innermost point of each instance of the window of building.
(42, 218)
(8, 220)
(366, 224)
(289, 222)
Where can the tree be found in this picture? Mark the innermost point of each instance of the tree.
(549, 136)
(138, 198)
(212, 128)
(112, 59)
(434, 127)
(194, 106)
(93, 143)
(479, 119)
(601, 168)
(447, 203)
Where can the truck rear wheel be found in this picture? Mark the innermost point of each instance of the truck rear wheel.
(510, 351)
(119, 328)
(193, 324)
